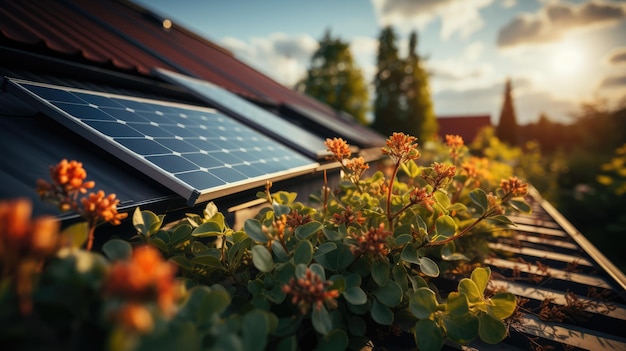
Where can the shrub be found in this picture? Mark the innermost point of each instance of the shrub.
(364, 257)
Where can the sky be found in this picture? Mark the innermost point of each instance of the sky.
(557, 53)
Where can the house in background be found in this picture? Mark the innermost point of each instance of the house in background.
(465, 126)
(122, 90)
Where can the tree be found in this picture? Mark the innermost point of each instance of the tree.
(420, 117)
(335, 79)
(507, 127)
(389, 76)
(403, 101)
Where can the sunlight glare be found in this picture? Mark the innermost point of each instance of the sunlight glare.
(567, 61)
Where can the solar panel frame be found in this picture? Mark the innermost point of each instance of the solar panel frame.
(247, 112)
(250, 166)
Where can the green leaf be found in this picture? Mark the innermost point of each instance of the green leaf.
(442, 199)
(254, 229)
(468, 288)
(180, 234)
(203, 304)
(503, 305)
(254, 331)
(357, 326)
(324, 248)
(319, 270)
(389, 294)
(279, 251)
(456, 304)
(146, 222)
(381, 314)
(409, 254)
(303, 253)
(306, 230)
(410, 168)
(423, 303)
(321, 320)
(181, 261)
(339, 283)
(280, 210)
(336, 260)
(289, 343)
(300, 271)
(262, 258)
(207, 229)
(429, 267)
(503, 219)
(355, 295)
(427, 335)
(520, 205)
(336, 340)
(207, 260)
(461, 328)
(117, 249)
(479, 197)
(76, 235)
(418, 282)
(480, 276)
(446, 227)
(448, 252)
(210, 210)
(332, 234)
(380, 272)
(491, 330)
(402, 239)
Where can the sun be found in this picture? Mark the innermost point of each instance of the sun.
(567, 61)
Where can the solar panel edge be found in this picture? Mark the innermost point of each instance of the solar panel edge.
(112, 144)
(176, 78)
(52, 111)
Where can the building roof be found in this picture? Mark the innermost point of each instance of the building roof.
(465, 126)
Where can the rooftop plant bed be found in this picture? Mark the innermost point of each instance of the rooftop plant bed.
(353, 264)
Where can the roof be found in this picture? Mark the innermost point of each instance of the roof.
(117, 47)
(122, 36)
(465, 126)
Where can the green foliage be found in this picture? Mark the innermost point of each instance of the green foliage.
(369, 254)
(403, 99)
(335, 79)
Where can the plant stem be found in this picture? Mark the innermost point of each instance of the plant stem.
(90, 236)
(393, 176)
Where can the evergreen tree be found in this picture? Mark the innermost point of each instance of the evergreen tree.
(389, 76)
(335, 79)
(420, 117)
(507, 126)
(403, 101)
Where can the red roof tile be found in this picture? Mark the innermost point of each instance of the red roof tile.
(127, 37)
(465, 126)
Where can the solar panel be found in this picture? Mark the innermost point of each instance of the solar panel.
(199, 153)
(251, 114)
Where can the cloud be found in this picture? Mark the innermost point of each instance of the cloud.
(283, 57)
(612, 82)
(528, 103)
(508, 3)
(557, 19)
(462, 17)
(617, 56)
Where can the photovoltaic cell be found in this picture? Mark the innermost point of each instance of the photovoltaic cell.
(251, 114)
(197, 152)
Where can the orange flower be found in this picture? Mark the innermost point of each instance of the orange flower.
(514, 186)
(494, 205)
(440, 175)
(135, 317)
(24, 244)
(357, 166)
(421, 195)
(348, 217)
(339, 148)
(145, 277)
(454, 141)
(401, 148)
(295, 219)
(71, 176)
(309, 291)
(373, 243)
(98, 206)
